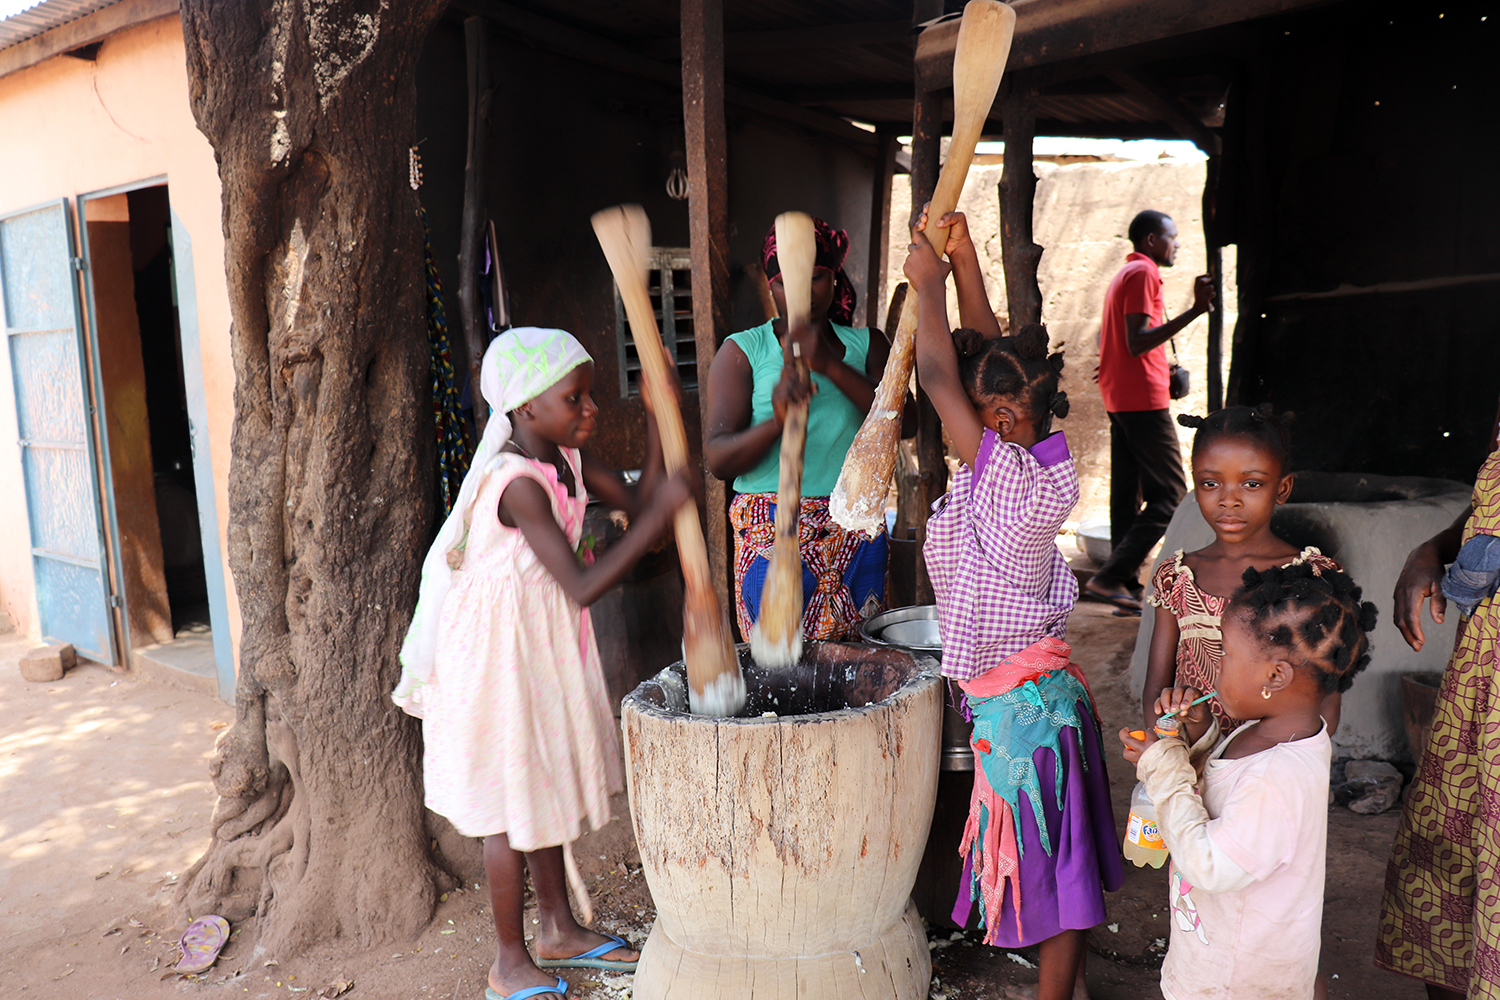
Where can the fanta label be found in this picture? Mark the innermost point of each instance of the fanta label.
(1145, 833)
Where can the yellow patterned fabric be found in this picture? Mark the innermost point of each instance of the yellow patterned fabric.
(1440, 915)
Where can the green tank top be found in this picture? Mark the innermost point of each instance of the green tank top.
(831, 419)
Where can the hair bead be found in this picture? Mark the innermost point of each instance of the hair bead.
(1318, 613)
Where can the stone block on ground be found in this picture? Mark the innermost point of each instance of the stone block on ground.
(1372, 786)
(47, 663)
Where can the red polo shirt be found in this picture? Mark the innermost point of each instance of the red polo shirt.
(1129, 384)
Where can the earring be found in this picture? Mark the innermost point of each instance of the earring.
(1265, 692)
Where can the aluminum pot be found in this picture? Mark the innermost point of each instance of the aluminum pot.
(916, 629)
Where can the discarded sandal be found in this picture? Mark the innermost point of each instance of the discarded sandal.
(201, 943)
(593, 958)
(559, 987)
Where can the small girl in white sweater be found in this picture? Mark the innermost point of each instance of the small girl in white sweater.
(1248, 838)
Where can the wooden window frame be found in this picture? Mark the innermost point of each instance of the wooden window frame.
(673, 301)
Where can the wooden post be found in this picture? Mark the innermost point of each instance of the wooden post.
(469, 309)
(1247, 117)
(1216, 331)
(1017, 195)
(1213, 239)
(926, 148)
(926, 160)
(880, 226)
(708, 227)
(926, 123)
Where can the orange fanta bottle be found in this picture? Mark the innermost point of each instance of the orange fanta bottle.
(1143, 841)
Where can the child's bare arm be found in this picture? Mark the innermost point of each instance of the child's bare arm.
(974, 310)
(653, 472)
(1161, 662)
(526, 504)
(937, 359)
(606, 484)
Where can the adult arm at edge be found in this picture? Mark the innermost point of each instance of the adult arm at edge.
(1422, 576)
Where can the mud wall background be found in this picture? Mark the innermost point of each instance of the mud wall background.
(1082, 213)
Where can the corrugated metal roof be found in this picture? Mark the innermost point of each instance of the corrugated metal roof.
(44, 17)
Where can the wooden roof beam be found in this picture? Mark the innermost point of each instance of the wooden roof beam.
(588, 47)
(78, 35)
(1048, 31)
(1168, 107)
(845, 93)
(815, 36)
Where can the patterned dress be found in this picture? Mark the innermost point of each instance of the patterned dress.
(1199, 614)
(1440, 915)
(1040, 847)
(843, 572)
(519, 736)
(991, 551)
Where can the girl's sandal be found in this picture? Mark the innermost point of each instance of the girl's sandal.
(202, 942)
(558, 988)
(594, 958)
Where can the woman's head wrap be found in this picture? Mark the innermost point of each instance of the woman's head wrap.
(520, 365)
(833, 247)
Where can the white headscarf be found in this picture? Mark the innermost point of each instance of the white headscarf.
(520, 364)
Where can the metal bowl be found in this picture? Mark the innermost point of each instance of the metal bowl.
(910, 628)
(916, 628)
(919, 633)
(1093, 539)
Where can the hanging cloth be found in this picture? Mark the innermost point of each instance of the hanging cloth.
(455, 444)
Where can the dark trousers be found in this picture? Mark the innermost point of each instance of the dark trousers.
(1145, 468)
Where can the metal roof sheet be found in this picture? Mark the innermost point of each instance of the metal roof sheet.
(44, 17)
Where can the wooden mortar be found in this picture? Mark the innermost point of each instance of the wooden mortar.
(781, 851)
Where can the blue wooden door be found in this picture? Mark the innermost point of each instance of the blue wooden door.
(58, 453)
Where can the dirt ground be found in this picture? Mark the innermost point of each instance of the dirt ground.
(106, 799)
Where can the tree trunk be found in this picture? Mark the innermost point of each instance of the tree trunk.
(319, 829)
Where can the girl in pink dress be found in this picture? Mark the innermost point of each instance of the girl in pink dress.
(1240, 477)
(500, 662)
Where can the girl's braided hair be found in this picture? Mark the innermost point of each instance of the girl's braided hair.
(1017, 368)
(1307, 611)
(1260, 424)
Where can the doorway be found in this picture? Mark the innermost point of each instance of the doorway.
(161, 553)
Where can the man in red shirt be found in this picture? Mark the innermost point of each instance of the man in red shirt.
(1145, 462)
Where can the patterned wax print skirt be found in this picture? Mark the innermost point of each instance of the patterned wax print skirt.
(1040, 849)
(843, 572)
(1440, 915)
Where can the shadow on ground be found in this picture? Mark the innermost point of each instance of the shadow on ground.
(105, 783)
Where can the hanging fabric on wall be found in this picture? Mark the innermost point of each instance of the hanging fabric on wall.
(454, 440)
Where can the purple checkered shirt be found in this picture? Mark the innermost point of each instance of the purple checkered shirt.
(991, 552)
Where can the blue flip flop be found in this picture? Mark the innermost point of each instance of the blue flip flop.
(593, 958)
(559, 987)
